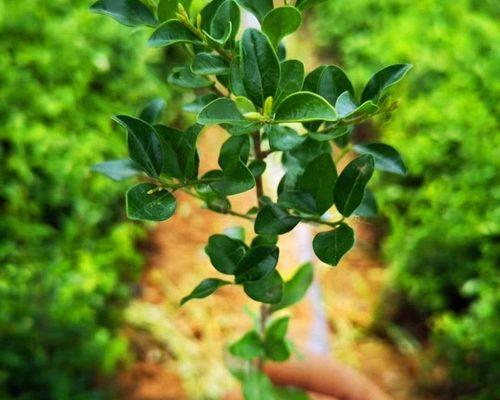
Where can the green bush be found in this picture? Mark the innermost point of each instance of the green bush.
(444, 249)
(66, 260)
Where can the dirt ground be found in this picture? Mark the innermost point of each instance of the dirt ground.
(180, 351)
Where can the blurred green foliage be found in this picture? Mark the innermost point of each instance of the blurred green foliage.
(66, 260)
(445, 246)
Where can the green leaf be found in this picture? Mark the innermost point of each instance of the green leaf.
(167, 9)
(319, 180)
(235, 78)
(298, 200)
(382, 80)
(248, 347)
(351, 183)
(296, 288)
(234, 148)
(368, 207)
(225, 253)
(284, 138)
(257, 167)
(256, 385)
(127, 12)
(180, 157)
(386, 157)
(228, 13)
(347, 108)
(257, 263)
(267, 290)
(152, 112)
(244, 105)
(281, 22)
(260, 67)
(117, 170)
(277, 329)
(236, 178)
(275, 345)
(205, 289)
(329, 81)
(295, 161)
(150, 203)
(291, 79)
(172, 32)
(199, 103)
(259, 8)
(236, 233)
(264, 240)
(331, 246)
(289, 393)
(304, 107)
(209, 64)
(185, 78)
(143, 144)
(330, 134)
(221, 111)
(274, 220)
(303, 4)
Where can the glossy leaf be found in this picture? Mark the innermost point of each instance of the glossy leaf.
(267, 290)
(296, 288)
(331, 246)
(208, 13)
(259, 8)
(185, 78)
(284, 138)
(382, 80)
(368, 207)
(143, 144)
(225, 253)
(319, 180)
(153, 110)
(234, 148)
(329, 82)
(386, 157)
(298, 200)
(209, 64)
(347, 108)
(291, 79)
(257, 167)
(281, 22)
(117, 170)
(227, 13)
(274, 220)
(127, 12)
(351, 183)
(257, 263)
(205, 289)
(260, 68)
(248, 347)
(236, 178)
(150, 203)
(304, 107)
(222, 110)
(330, 134)
(172, 32)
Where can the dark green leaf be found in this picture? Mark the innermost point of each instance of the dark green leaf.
(267, 290)
(222, 110)
(281, 22)
(248, 347)
(330, 134)
(172, 32)
(257, 263)
(319, 180)
(143, 144)
(351, 183)
(382, 80)
(368, 207)
(329, 82)
(209, 64)
(386, 157)
(225, 253)
(236, 178)
(304, 107)
(291, 79)
(260, 68)
(274, 220)
(235, 79)
(205, 289)
(127, 12)
(284, 138)
(148, 202)
(259, 8)
(298, 200)
(199, 103)
(152, 112)
(296, 288)
(264, 240)
(275, 344)
(117, 170)
(347, 108)
(331, 246)
(208, 13)
(228, 13)
(185, 78)
(234, 148)
(257, 168)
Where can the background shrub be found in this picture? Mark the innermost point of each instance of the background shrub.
(66, 257)
(444, 250)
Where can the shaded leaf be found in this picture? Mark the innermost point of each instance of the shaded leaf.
(173, 32)
(152, 112)
(236, 178)
(205, 289)
(199, 103)
(117, 170)
(331, 246)
(368, 207)
(227, 14)
(382, 80)
(225, 253)
(259, 8)
(296, 288)
(234, 148)
(150, 203)
(222, 110)
(291, 79)
(274, 220)
(284, 138)
(386, 157)
(127, 12)
(257, 263)
(267, 290)
(209, 64)
(185, 78)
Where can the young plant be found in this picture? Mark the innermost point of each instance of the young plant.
(267, 104)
